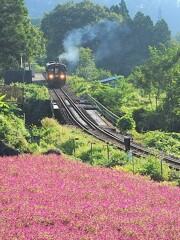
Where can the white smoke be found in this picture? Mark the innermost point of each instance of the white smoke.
(73, 41)
(106, 34)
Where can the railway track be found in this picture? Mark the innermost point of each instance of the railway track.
(76, 116)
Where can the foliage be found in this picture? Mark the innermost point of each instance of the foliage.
(159, 73)
(121, 9)
(87, 68)
(55, 197)
(152, 168)
(3, 105)
(116, 159)
(78, 85)
(36, 22)
(13, 132)
(177, 37)
(18, 37)
(166, 142)
(122, 98)
(68, 147)
(175, 177)
(159, 78)
(146, 120)
(106, 95)
(33, 91)
(125, 123)
(161, 33)
(68, 142)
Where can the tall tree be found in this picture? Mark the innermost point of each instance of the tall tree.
(18, 38)
(122, 10)
(159, 76)
(143, 32)
(86, 68)
(162, 34)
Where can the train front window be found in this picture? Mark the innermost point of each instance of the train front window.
(56, 70)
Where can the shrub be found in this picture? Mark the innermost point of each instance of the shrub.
(166, 142)
(13, 132)
(152, 168)
(125, 123)
(68, 147)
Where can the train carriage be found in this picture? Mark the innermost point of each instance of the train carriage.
(56, 74)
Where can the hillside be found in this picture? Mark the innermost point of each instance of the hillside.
(51, 197)
(168, 10)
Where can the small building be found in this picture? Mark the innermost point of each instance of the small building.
(111, 80)
(14, 76)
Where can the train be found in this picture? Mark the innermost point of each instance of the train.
(56, 74)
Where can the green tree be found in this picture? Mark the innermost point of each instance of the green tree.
(87, 67)
(159, 78)
(107, 96)
(177, 37)
(162, 34)
(18, 38)
(127, 91)
(143, 32)
(121, 9)
(157, 75)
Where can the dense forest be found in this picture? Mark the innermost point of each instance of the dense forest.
(118, 42)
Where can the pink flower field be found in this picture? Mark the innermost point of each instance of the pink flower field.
(51, 197)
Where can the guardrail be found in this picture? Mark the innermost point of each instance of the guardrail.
(103, 110)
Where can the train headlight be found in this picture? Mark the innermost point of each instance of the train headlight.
(51, 76)
(62, 76)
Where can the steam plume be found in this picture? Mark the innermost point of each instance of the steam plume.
(106, 34)
(73, 41)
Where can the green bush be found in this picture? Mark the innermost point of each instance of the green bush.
(33, 91)
(13, 132)
(146, 120)
(168, 143)
(68, 147)
(175, 177)
(85, 156)
(118, 159)
(125, 123)
(152, 168)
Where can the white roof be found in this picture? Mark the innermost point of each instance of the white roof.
(110, 79)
